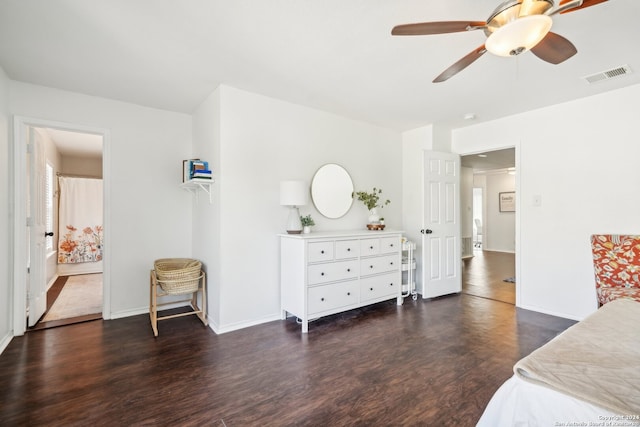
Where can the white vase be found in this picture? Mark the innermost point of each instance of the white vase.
(306, 229)
(374, 218)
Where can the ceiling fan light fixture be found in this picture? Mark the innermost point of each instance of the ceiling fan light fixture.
(519, 35)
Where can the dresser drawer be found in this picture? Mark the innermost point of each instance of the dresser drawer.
(379, 286)
(329, 297)
(389, 245)
(380, 264)
(332, 271)
(369, 247)
(320, 251)
(347, 249)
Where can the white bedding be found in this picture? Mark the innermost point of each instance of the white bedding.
(587, 376)
(520, 403)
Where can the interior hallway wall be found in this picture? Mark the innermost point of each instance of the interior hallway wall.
(466, 211)
(150, 215)
(262, 141)
(588, 194)
(499, 227)
(52, 157)
(82, 166)
(6, 292)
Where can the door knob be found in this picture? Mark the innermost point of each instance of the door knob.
(49, 234)
(426, 231)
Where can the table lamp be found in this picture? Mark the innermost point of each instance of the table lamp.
(293, 194)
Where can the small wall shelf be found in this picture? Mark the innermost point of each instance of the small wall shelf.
(194, 185)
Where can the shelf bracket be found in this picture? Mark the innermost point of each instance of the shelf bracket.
(193, 186)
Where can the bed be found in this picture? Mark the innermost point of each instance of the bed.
(587, 376)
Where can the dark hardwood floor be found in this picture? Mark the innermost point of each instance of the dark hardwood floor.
(426, 363)
(483, 275)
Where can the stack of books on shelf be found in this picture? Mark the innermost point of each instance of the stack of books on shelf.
(196, 170)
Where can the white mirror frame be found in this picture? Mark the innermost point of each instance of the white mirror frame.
(332, 191)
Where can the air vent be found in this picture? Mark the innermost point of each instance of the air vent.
(609, 74)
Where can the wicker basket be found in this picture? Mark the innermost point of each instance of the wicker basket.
(178, 275)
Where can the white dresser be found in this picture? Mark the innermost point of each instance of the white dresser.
(329, 272)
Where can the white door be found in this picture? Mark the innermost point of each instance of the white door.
(36, 286)
(441, 241)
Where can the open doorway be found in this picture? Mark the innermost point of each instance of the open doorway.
(74, 226)
(490, 272)
(40, 159)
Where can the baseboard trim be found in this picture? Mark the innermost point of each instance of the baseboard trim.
(241, 325)
(499, 250)
(4, 343)
(145, 310)
(550, 312)
(52, 281)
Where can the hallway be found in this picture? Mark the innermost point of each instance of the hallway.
(483, 276)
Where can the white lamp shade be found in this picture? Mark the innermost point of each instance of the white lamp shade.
(518, 36)
(293, 193)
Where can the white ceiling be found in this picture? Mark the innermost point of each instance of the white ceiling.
(76, 144)
(333, 55)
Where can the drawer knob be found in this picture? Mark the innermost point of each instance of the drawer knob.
(348, 293)
(390, 284)
(348, 249)
(391, 262)
(348, 270)
(321, 299)
(371, 266)
(322, 274)
(321, 252)
(370, 289)
(370, 247)
(391, 245)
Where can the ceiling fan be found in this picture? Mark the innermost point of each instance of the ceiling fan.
(514, 27)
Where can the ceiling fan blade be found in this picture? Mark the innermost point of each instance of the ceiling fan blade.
(554, 49)
(567, 6)
(443, 27)
(461, 64)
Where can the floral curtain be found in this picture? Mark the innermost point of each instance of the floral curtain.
(80, 220)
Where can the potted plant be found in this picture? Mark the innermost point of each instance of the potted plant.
(307, 222)
(372, 202)
(381, 221)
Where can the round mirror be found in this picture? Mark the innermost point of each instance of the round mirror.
(331, 190)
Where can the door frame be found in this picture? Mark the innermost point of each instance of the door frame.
(19, 213)
(516, 146)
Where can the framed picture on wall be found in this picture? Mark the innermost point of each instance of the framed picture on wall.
(507, 201)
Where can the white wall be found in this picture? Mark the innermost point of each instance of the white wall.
(150, 216)
(52, 157)
(84, 166)
(466, 202)
(581, 159)
(6, 294)
(499, 228)
(206, 216)
(263, 141)
(583, 173)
